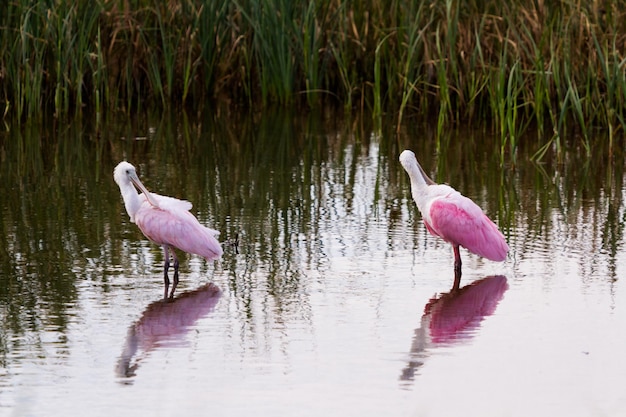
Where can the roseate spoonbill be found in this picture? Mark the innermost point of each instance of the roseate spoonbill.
(166, 221)
(453, 217)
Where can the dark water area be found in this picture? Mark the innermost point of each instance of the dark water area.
(338, 301)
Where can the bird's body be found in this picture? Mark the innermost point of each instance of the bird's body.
(166, 221)
(453, 217)
(172, 224)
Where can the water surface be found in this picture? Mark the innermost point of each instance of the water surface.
(338, 302)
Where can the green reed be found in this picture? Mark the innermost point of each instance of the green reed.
(558, 66)
(411, 71)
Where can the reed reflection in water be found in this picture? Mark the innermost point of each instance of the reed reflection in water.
(335, 268)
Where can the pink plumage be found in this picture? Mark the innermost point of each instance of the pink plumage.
(166, 221)
(453, 217)
(177, 227)
(458, 220)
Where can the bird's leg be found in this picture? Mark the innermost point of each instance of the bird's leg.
(175, 274)
(457, 268)
(166, 266)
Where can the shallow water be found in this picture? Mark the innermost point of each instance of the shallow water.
(338, 301)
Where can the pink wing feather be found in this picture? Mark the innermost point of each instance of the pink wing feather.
(458, 220)
(174, 225)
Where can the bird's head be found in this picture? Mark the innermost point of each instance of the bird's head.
(125, 174)
(407, 158)
(413, 168)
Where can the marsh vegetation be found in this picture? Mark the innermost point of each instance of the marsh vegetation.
(558, 66)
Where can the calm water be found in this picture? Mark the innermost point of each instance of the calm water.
(338, 301)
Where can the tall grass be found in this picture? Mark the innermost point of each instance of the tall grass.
(559, 66)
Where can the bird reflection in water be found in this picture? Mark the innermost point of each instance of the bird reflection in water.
(452, 317)
(165, 321)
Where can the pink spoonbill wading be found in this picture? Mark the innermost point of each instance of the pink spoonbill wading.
(453, 217)
(166, 221)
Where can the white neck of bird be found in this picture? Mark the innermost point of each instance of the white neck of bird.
(418, 176)
(131, 200)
